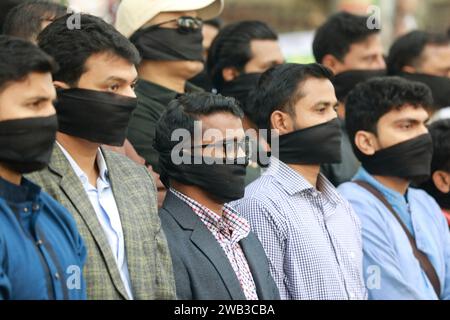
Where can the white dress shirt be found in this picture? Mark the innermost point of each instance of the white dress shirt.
(104, 204)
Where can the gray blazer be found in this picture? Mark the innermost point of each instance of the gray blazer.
(146, 247)
(202, 270)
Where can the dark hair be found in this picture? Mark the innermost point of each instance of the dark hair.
(72, 47)
(231, 47)
(338, 33)
(5, 7)
(372, 99)
(279, 89)
(182, 113)
(407, 50)
(440, 132)
(19, 58)
(25, 20)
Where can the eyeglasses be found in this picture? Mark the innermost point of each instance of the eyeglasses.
(227, 149)
(185, 24)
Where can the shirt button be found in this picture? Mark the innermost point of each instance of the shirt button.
(57, 276)
(25, 210)
(39, 242)
(36, 207)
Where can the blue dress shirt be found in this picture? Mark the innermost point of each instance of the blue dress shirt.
(391, 270)
(42, 255)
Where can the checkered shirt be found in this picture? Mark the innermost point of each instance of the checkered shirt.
(228, 229)
(311, 236)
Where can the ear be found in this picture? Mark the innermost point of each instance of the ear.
(282, 122)
(409, 69)
(61, 85)
(230, 73)
(441, 180)
(366, 142)
(332, 63)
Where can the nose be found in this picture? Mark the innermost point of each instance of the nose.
(129, 92)
(49, 110)
(423, 130)
(332, 115)
(381, 63)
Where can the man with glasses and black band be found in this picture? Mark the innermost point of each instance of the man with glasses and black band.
(215, 256)
(168, 35)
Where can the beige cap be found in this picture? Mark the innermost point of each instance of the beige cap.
(133, 14)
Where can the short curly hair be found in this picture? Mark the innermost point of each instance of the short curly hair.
(371, 100)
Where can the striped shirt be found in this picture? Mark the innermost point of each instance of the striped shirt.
(311, 236)
(228, 229)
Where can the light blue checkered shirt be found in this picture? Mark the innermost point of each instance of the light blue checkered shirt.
(312, 238)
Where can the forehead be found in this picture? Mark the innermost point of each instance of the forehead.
(372, 42)
(406, 112)
(105, 65)
(222, 121)
(317, 89)
(34, 84)
(264, 48)
(437, 51)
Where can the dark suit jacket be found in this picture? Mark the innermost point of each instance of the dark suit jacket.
(201, 267)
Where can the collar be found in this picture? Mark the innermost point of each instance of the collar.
(27, 191)
(293, 182)
(229, 221)
(391, 195)
(159, 93)
(447, 215)
(101, 163)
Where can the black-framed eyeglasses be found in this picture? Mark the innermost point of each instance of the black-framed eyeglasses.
(229, 148)
(185, 24)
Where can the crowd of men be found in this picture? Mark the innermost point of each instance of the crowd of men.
(171, 157)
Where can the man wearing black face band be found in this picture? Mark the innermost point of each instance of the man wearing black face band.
(405, 236)
(41, 250)
(438, 185)
(354, 53)
(304, 225)
(168, 36)
(424, 57)
(236, 59)
(112, 199)
(344, 82)
(215, 256)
